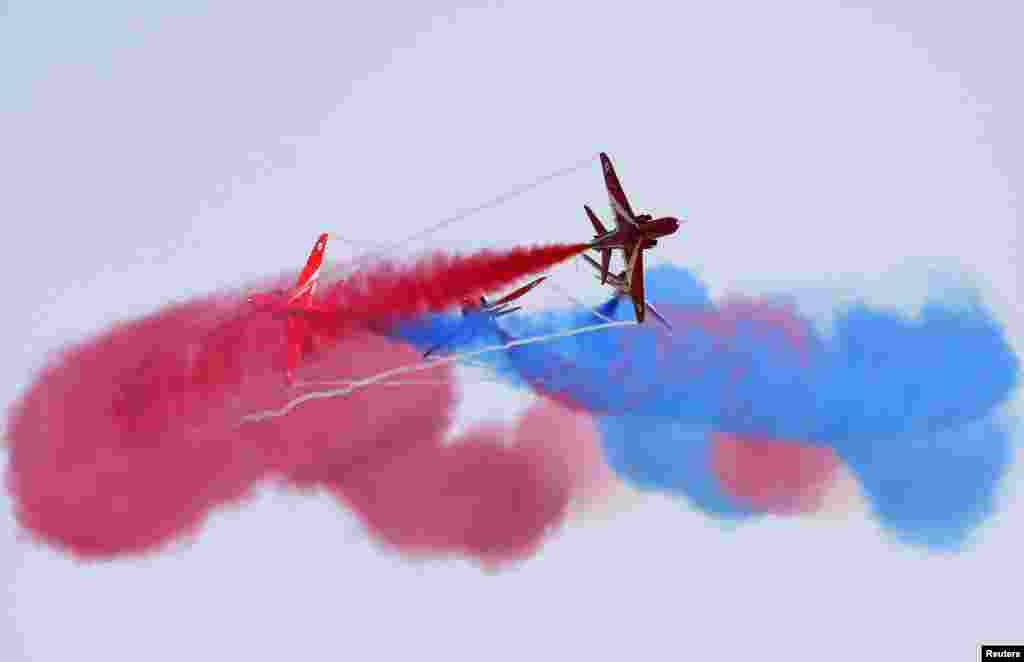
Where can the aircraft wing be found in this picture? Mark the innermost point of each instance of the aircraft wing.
(517, 293)
(616, 196)
(636, 283)
(592, 262)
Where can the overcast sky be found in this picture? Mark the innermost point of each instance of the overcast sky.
(150, 155)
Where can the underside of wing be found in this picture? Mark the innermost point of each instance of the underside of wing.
(518, 293)
(616, 196)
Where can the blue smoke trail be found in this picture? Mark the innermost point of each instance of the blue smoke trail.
(909, 403)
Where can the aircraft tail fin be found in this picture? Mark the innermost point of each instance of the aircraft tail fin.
(310, 273)
(599, 227)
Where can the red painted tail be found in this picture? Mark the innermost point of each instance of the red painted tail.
(304, 287)
(599, 227)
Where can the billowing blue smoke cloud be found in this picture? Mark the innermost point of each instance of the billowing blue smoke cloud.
(934, 489)
(664, 455)
(908, 402)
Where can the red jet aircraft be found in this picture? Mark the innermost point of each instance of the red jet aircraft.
(494, 309)
(633, 234)
(500, 307)
(295, 306)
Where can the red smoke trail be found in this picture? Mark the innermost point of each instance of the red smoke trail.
(476, 496)
(491, 494)
(364, 430)
(128, 441)
(569, 436)
(434, 283)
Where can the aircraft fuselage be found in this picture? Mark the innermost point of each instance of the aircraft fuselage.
(645, 232)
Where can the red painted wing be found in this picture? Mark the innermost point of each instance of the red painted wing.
(517, 293)
(616, 196)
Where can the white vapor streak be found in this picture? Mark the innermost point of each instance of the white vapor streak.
(383, 250)
(318, 395)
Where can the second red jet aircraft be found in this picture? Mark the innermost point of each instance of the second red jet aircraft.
(632, 234)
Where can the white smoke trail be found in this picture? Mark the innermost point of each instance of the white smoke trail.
(384, 249)
(566, 293)
(398, 382)
(361, 383)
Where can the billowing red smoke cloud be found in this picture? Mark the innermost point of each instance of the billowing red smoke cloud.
(474, 497)
(491, 493)
(772, 476)
(361, 431)
(123, 443)
(128, 440)
(570, 436)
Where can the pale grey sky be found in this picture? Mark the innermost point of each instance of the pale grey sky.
(151, 156)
